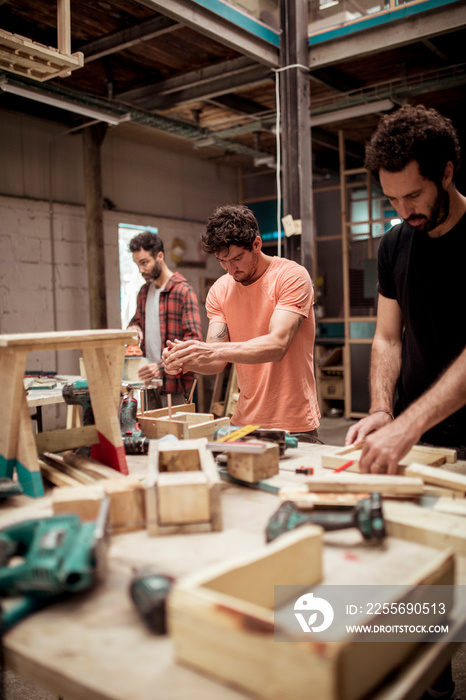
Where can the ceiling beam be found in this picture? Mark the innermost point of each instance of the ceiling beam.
(218, 29)
(402, 32)
(198, 85)
(126, 38)
(238, 104)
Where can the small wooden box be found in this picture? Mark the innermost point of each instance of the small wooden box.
(185, 423)
(254, 467)
(183, 488)
(221, 620)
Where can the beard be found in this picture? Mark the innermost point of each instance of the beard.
(155, 272)
(248, 276)
(438, 213)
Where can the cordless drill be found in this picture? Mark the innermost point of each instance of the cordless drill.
(133, 440)
(77, 394)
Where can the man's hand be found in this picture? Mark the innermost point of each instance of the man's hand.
(359, 431)
(149, 372)
(188, 356)
(384, 448)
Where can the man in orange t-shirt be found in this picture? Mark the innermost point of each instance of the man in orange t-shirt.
(261, 319)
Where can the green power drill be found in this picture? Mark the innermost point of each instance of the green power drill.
(366, 516)
(59, 555)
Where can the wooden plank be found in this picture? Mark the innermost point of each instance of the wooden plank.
(91, 466)
(104, 369)
(59, 340)
(55, 476)
(434, 456)
(57, 462)
(425, 526)
(207, 430)
(64, 26)
(367, 483)
(12, 367)
(61, 440)
(438, 477)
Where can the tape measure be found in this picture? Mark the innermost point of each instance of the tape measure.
(237, 434)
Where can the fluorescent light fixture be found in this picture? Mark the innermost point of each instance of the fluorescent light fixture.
(204, 141)
(269, 161)
(394, 222)
(352, 112)
(61, 103)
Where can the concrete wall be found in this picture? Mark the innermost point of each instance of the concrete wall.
(43, 255)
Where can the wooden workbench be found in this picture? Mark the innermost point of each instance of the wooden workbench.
(94, 646)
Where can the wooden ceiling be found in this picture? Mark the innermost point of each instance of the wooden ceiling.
(150, 58)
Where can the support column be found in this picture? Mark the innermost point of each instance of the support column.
(296, 129)
(93, 138)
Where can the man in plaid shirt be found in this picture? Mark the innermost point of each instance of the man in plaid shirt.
(167, 309)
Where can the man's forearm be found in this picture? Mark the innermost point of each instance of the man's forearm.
(384, 373)
(218, 354)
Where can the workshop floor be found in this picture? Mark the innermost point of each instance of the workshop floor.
(332, 431)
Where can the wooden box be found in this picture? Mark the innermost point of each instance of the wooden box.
(184, 423)
(183, 488)
(222, 619)
(252, 467)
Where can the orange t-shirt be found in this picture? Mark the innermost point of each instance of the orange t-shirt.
(281, 394)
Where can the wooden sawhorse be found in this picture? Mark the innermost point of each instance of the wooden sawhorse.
(103, 355)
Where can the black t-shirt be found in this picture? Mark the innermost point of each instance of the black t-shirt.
(427, 278)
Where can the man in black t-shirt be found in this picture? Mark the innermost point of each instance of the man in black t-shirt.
(418, 361)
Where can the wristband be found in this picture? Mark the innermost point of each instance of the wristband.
(382, 410)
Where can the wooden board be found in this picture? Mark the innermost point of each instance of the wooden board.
(438, 477)
(370, 483)
(425, 526)
(433, 456)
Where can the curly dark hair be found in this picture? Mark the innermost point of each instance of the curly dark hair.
(232, 224)
(147, 240)
(414, 133)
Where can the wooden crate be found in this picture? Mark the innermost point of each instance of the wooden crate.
(184, 423)
(183, 488)
(222, 619)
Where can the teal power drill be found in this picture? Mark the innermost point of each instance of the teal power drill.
(59, 556)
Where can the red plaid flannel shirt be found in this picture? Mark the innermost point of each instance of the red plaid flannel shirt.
(179, 318)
